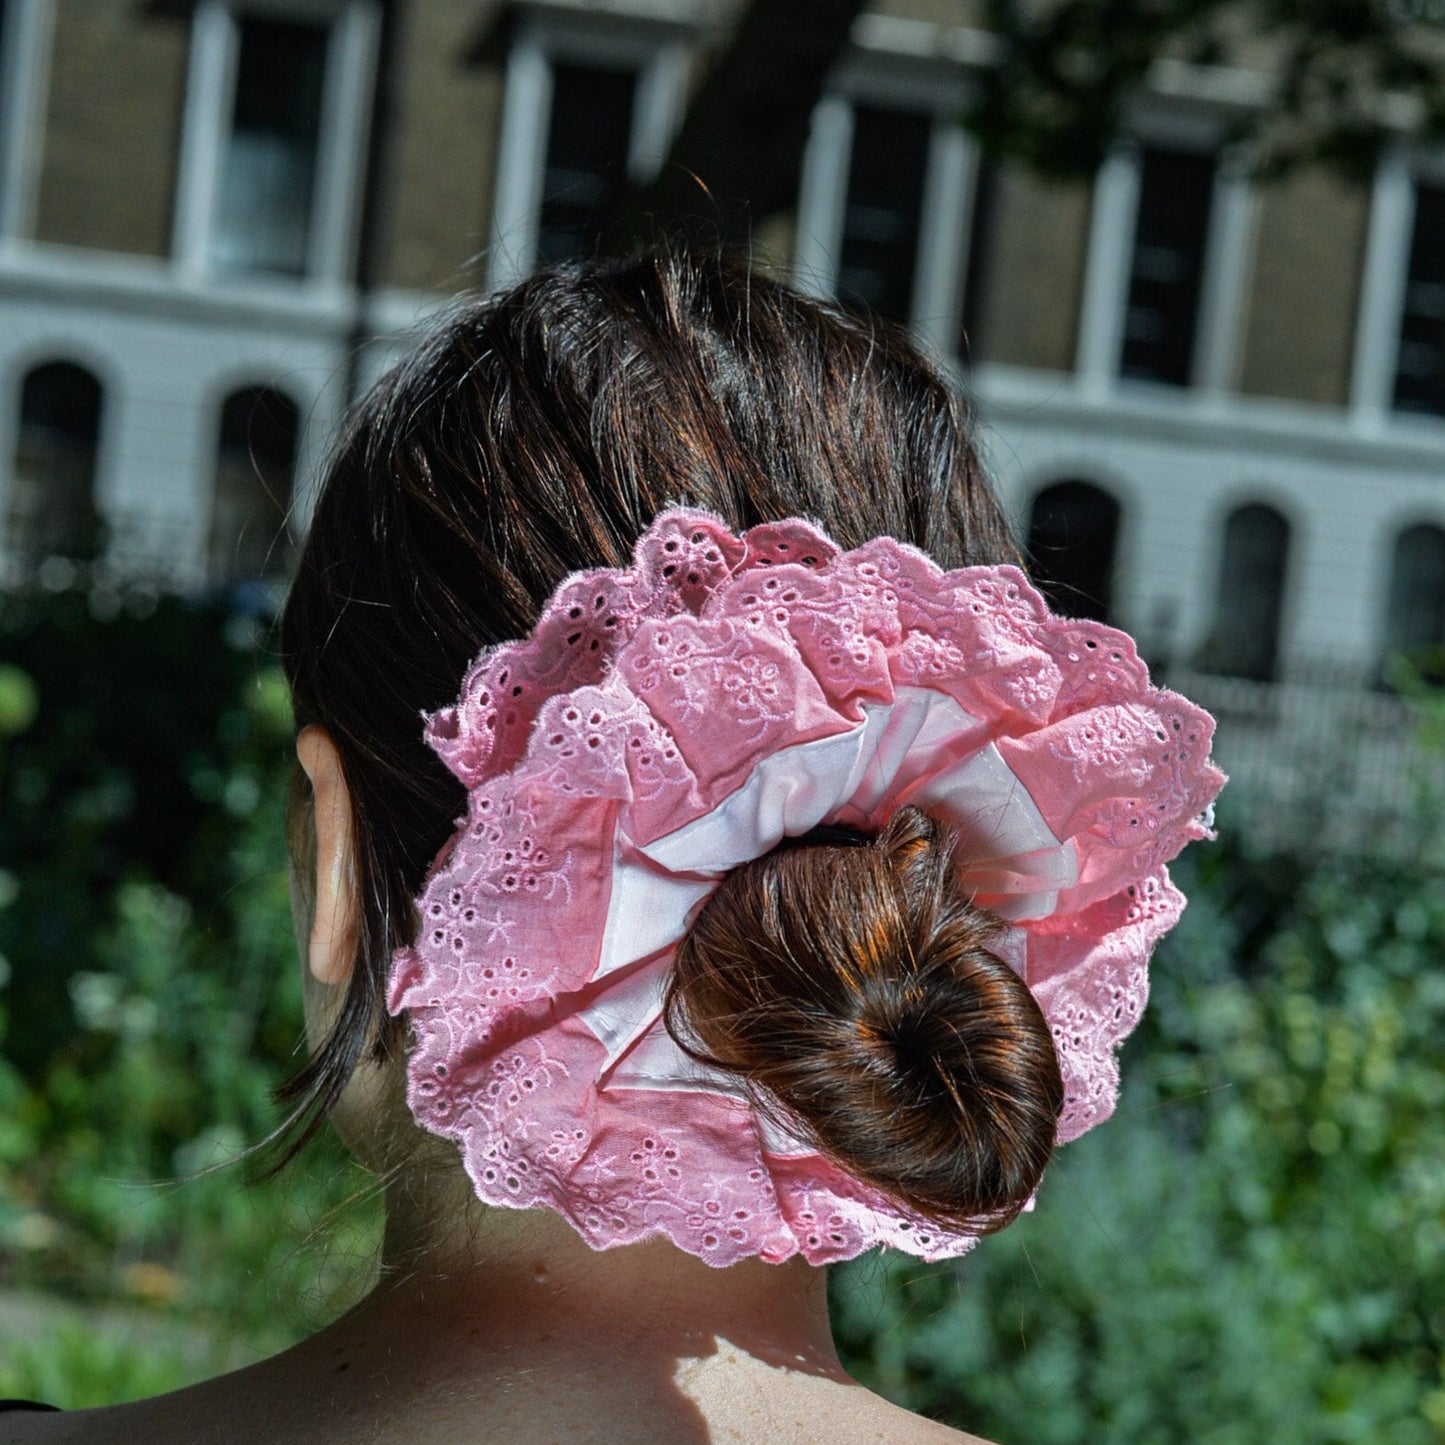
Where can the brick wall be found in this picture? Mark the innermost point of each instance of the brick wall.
(439, 163)
(112, 128)
(1033, 278)
(1300, 323)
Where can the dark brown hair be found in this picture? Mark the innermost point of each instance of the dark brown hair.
(537, 434)
(853, 988)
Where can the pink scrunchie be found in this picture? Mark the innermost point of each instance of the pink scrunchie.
(668, 721)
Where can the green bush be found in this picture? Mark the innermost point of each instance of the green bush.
(153, 1003)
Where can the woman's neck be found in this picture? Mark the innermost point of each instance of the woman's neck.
(518, 1275)
(440, 1243)
(496, 1324)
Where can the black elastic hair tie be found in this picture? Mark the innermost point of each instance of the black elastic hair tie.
(830, 835)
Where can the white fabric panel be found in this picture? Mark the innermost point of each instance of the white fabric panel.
(655, 1062)
(628, 1008)
(899, 751)
(788, 793)
(999, 822)
(647, 909)
(911, 734)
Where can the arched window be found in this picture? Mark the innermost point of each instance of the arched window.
(52, 509)
(255, 475)
(1073, 532)
(1249, 603)
(1415, 612)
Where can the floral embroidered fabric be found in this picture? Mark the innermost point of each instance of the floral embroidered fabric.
(668, 721)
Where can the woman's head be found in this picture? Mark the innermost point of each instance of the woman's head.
(539, 434)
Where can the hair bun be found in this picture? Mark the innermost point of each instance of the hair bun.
(853, 989)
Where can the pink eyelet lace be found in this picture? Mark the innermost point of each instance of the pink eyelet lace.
(666, 721)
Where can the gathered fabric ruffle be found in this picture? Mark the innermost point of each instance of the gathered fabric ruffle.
(670, 720)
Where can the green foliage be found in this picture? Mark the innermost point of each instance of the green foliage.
(19, 701)
(1254, 1248)
(87, 1367)
(153, 1003)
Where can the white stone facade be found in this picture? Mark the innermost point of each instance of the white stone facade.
(1178, 464)
(168, 338)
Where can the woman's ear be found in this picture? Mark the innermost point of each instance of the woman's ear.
(335, 926)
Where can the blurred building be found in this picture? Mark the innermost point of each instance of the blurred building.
(1216, 407)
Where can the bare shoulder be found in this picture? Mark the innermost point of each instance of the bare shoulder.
(161, 1421)
(805, 1410)
(37, 1427)
(863, 1416)
(741, 1401)
(33, 1427)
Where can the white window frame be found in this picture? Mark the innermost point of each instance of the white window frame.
(1228, 256)
(660, 55)
(945, 228)
(341, 145)
(1383, 284)
(24, 75)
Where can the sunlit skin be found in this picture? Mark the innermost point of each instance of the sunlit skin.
(501, 1325)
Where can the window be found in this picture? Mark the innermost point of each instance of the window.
(1249, 601)
(886, 174)
(1171, 230)
(1166, 271)
(275, 136)
(1415, 611)
(885, 207)
(52, 509)
(1420, 364)
(1073, 535)
(255, 479)
(589, 107)
(589, 133)
(267, 192)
